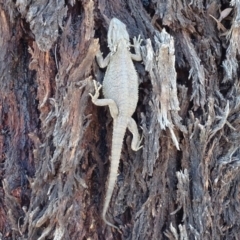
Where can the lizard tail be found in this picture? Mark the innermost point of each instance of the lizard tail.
(119, 129)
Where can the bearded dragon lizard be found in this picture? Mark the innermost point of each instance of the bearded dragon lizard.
(120, 89)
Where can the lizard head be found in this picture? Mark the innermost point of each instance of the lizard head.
(117, 33)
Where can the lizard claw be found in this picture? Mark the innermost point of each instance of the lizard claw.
(97, 87)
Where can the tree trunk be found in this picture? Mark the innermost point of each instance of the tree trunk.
(55, 144)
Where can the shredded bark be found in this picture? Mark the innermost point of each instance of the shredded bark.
(55, 144)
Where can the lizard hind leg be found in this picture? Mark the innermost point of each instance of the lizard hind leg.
(136, 141)
(104, 102)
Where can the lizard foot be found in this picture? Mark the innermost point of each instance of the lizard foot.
(138, 144)
(99, 54)
(137, 42)
(97, 87)
(137, 47)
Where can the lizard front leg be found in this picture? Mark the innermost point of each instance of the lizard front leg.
(102, 62)
(136, 43)
(104, 102)
(136, 141)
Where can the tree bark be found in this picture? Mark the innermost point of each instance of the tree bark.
(55, 144)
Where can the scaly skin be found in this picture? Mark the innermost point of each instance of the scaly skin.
(120, 89)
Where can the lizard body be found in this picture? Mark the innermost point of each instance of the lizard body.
(120, 89)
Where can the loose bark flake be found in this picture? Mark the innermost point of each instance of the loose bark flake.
(230, 64)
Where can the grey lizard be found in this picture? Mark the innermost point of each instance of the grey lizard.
(120, 89)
